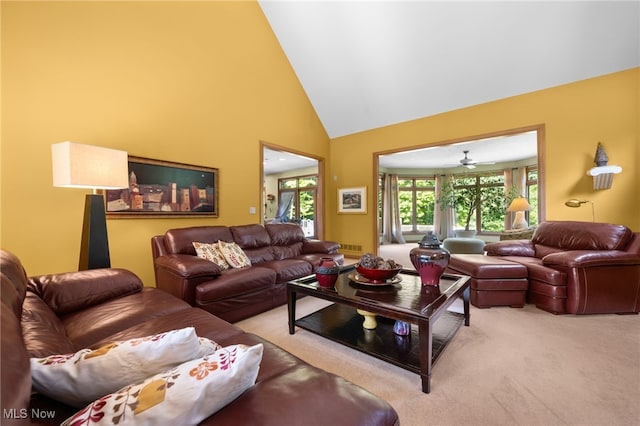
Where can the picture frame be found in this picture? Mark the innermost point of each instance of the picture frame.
(352, 200)
(162, 188)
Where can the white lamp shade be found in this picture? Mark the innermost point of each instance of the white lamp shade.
(77, 165)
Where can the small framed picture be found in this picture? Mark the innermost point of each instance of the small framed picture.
(352, 200)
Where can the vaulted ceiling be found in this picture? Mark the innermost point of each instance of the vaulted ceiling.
(368, 64)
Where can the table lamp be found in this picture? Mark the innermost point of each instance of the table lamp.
(86, 166)
(519, 206)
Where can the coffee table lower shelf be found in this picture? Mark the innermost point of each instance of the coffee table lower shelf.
(343, 324)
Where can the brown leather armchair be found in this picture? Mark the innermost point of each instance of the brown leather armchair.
(578, 267)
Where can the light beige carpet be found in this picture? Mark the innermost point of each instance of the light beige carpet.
(510, 367)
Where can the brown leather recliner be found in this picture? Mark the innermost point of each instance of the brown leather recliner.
(578, 267)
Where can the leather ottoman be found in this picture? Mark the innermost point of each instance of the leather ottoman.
(494, 281)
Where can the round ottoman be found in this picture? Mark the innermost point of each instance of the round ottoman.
(460, 245)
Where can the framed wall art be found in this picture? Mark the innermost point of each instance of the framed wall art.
(162, 188)
(352, 200)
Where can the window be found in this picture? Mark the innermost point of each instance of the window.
(302, 209)
(481, 204)
(417, 200)
(479, 199)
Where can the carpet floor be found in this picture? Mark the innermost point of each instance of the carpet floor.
(510, 367)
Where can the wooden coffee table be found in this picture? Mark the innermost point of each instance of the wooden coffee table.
(406, 300)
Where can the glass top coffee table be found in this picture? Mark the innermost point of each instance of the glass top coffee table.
(404, 299)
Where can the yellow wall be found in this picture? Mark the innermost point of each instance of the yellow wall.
(576, 116)
(203, 83)
(193, 82)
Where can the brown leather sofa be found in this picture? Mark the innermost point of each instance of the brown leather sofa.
(578, 267)
(278, 252)
(62, 313)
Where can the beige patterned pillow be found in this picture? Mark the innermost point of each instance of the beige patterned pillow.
(212, 253)
(233, 254)
(79, 378)
(183, 395)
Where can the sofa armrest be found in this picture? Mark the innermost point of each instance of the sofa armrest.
(187, 266)
(73, 291)
(591, 258)
(319, 246)
(510, 248)
(179, 274)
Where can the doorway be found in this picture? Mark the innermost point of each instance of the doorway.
(477, 157)
(292, 190)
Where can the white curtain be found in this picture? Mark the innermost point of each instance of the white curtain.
(391, 223)
(444, 220)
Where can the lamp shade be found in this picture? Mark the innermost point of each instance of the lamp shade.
(77, 165)
(519, 204)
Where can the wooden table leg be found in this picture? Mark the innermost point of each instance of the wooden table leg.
(465, 300)
(426, 353)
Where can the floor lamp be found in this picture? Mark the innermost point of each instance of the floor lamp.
(86, 166)
(577, 203)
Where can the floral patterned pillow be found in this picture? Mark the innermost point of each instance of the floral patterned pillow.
(79, 378)
(212, 253)
(234, 255)
(183, 395)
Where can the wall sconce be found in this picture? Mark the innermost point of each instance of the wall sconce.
(519, 205)
(86, 166)
(602, 174)
(577, 203)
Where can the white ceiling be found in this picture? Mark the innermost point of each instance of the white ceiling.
(486, 152)
(368, 64)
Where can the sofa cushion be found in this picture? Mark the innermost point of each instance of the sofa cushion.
(178, 241)
(43, 332)
(234, 282)
(287, 252)
(289, 269)
(570, 235)
(78, 378)
(260, 255)
(250, 236)
(13, 280)
(184, 395)
(14, 359)
(84, 328)
(68, 292)
(234, 255)
(212, 253)
(285, 234)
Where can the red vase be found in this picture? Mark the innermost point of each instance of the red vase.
(429, 259)
(327, 272)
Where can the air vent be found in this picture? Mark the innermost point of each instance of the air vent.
(351, 247)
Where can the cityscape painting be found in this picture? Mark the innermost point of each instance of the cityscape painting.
(162, 188)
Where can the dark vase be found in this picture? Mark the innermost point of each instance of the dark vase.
(327, 272)
(430, 259)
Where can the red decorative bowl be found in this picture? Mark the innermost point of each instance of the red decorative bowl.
(378, 276)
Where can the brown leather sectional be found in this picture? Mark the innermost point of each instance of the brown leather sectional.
(279, 253)
(566, 267)
(62, 313)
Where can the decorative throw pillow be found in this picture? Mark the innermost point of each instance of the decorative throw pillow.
(79, 378)
(183, 395)
(234, 255)
(212, 253)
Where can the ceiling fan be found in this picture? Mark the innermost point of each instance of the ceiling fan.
(470, 163)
